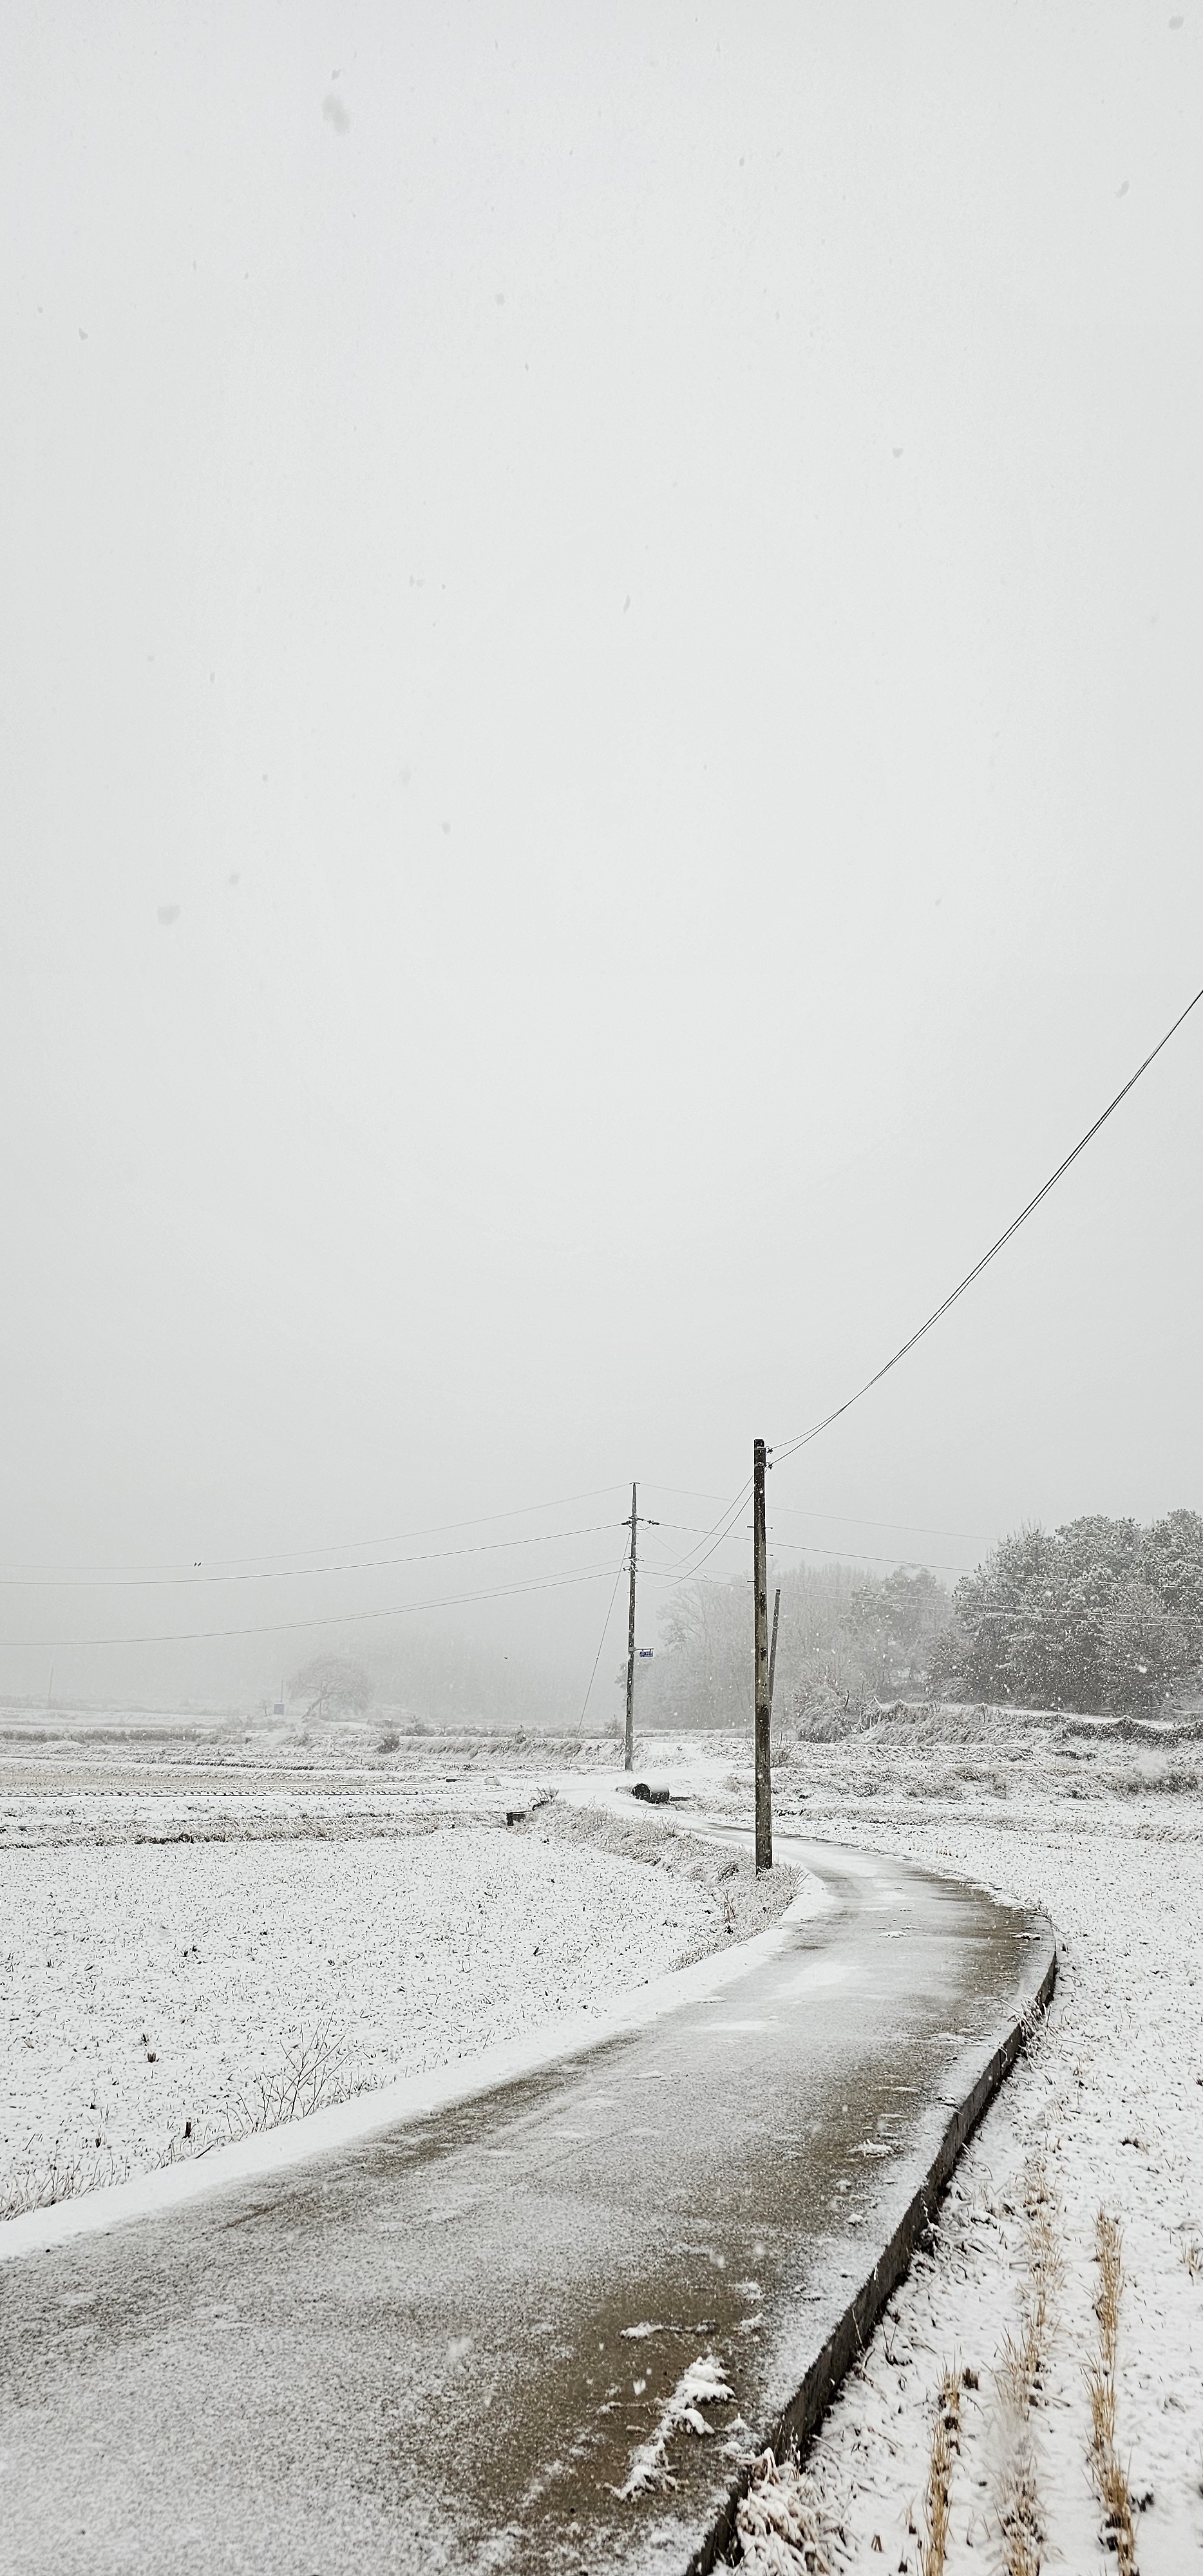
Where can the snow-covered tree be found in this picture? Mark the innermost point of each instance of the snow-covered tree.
(332, 1686)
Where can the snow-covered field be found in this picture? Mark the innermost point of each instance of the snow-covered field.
(178, 1971)
(163, 1980)
(1105, 2113)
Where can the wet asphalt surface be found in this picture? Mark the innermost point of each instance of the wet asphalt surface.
(419, 2353)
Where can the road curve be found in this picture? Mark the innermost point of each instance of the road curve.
(467, 2343)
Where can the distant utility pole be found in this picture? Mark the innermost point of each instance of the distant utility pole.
(628, 1758)
(760, 1587)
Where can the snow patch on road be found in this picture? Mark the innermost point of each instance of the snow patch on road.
(704, 2383)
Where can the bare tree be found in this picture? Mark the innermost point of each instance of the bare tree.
(332, 1686)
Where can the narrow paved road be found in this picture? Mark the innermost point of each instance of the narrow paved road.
(453, 2346)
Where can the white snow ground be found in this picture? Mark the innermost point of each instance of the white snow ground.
(1109, 2101)
(157, 1996)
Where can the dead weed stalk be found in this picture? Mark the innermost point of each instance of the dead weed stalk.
(313, 2072)
(1109, 2477)
(1019, 2378)
(781, 2524)
(308, 2076)
(945, 2449)
(42, 2176)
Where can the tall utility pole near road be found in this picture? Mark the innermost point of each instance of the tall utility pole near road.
(760, 1588)
(628, 1758)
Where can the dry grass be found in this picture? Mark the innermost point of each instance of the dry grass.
(41, 2176)
(1020, 2377)
(945, 2449)
(311, 2073)
(1024, 2357)
(1105, 2468)
(1021, 2523)
(781, 2524)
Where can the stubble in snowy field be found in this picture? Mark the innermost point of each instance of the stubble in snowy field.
(1106, 2465)
(945, 2450)
(1020, 2376)
(1105, 2110)
(158, 1999)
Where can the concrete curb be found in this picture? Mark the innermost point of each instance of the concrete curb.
(792, 2430)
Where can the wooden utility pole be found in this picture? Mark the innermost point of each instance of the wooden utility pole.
(628, 1759)
(760, 1587)
(773, 1646)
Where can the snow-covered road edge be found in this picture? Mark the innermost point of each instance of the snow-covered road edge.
(978, 2079)
(412, 2097)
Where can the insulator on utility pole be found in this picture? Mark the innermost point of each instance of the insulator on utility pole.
(760, 1588)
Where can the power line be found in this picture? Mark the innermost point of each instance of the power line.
(602, 1639)
(727, 1521)
(930, 1565)
(287, 1627)
(844, 1520)
(684, 1570)
(787, 1449)
(807, 1547)
(282, 1573)
(394, 1538)
(803, 1547)
(37, 1576)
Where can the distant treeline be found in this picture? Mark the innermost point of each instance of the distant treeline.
(1098, 1615)
(845, 1636)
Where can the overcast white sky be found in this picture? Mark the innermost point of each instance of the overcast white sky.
(600, 757)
